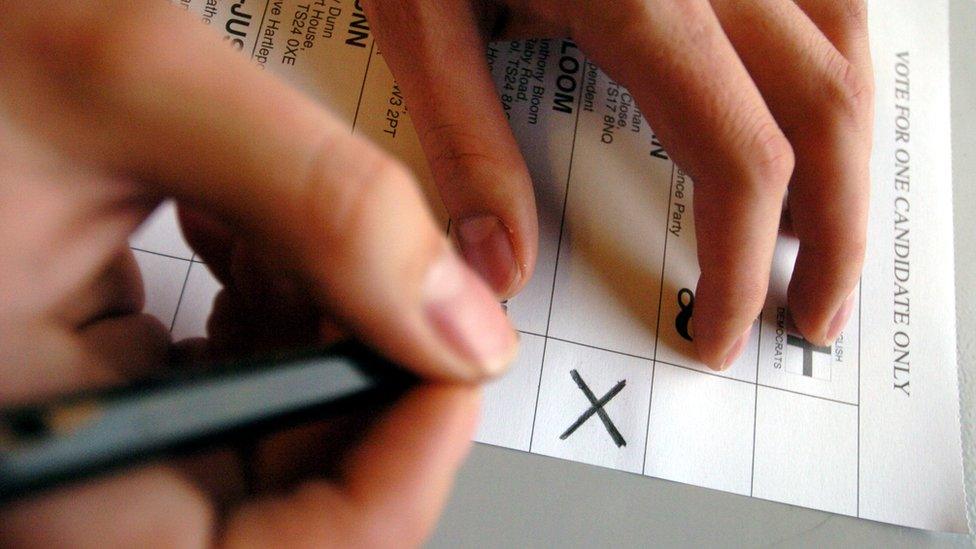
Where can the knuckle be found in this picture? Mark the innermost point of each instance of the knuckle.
(849, 94)
(348, 203)
(453, 150)
(699, 23)
(344, 212)
(772, 158)
(850, 16)
(362, 211)
(91, 57)
(628, 21)
(101, 58)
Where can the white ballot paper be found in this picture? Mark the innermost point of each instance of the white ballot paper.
(606, 375)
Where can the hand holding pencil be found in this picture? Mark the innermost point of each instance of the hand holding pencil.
(108, 108)
(94, 134)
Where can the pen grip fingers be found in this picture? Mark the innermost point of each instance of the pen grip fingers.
(63, 360)
(390, 488)
(150, 507)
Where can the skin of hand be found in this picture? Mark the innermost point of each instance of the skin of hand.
(753, 98)
(107, 108)
(102, 116)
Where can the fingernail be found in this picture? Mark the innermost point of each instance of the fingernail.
(486, 245)
(467, 316)
(840, 320)
(736, 351)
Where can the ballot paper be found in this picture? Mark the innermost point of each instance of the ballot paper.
(606, 374)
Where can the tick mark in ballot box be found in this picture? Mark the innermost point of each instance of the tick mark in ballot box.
(597, 408)
(813, 366)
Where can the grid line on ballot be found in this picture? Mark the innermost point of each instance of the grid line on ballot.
(660, 297)
(607, 372)
(179, 300)
(577, 345)
(755, 403)
(552, 291)
(684, 367)
(860, 310)
(160, 254)
(362, 89)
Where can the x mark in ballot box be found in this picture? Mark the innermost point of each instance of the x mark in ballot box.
(596, 407)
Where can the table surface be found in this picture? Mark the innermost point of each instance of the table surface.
(507, 498)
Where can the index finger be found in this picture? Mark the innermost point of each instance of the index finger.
(702, 103)
(199, 123)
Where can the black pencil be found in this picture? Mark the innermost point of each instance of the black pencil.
(70, 438)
